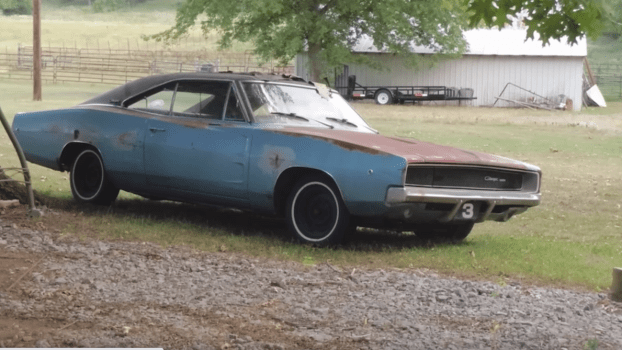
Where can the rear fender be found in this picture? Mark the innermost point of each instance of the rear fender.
(70, 152)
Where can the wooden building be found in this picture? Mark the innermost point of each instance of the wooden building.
(494, 58)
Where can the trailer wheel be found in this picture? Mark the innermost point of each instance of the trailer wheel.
(383, 97)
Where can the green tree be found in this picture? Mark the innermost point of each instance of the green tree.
(328, 29)
(551, 19)
(16, 7)
(613, 16)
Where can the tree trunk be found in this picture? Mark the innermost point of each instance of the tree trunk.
(315, 63)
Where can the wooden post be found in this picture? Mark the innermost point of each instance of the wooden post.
(616, 284)
(36, 47)
(590, 75)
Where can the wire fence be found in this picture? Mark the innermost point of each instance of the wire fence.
(609, 78)
(117, 66)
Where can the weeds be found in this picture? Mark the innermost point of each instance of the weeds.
(572, 238)
(591, 344)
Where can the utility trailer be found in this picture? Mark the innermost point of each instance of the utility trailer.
(399, 94)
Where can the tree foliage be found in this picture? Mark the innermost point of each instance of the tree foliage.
(326, 29)
(16, 7)
(104, 5)
(613, 18)
(108, 5)
(551, 19)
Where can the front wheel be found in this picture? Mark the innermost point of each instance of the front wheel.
(444, 232)
(316, 213)
(89, 182)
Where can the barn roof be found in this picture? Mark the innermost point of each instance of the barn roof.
(505, 42)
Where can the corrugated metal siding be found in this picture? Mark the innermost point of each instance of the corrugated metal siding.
(486, 75)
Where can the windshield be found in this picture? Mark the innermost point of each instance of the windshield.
(296, 104)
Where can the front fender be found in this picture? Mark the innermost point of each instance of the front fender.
(362, 177)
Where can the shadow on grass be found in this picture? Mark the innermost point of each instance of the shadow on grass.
(239, 223)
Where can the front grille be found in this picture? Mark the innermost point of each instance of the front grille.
(472, 178)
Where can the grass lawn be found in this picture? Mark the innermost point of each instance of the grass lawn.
(572, 239)
(110, 30)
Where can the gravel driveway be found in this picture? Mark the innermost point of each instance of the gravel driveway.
(62, 292)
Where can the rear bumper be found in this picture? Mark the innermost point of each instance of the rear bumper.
(510, 202)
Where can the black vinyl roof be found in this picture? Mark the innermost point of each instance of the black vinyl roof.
(132, 88)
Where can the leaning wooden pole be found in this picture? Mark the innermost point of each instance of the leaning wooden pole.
(616, 284)
(36, 50)
(22, 160)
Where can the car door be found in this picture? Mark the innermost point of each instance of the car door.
(201, 145)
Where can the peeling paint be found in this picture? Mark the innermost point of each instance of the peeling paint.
(188, 122)
(274, 159)
(127, 140)
(197, 123)
(401, 139)
(340, 143)
(414, 151)
(54, 129)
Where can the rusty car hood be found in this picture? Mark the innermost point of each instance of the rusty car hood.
(414, 151)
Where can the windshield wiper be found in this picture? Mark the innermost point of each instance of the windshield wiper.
(291, 115)
(342, 121)
(299, 117)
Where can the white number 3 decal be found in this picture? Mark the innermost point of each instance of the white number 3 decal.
(467, 211)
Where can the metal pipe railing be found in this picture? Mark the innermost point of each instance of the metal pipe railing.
(22, 160)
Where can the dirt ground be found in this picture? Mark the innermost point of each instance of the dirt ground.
(61, 291)
(52, 325)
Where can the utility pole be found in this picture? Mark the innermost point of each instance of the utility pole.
(36, 50)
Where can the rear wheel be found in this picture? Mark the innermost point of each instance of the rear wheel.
(89, 182)
(383, 97)
(444, 232)
(316, 213)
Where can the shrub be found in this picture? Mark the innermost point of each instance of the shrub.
(16, 7)
(108, 5)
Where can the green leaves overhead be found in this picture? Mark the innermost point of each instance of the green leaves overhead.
(551, 19)
(328, 29)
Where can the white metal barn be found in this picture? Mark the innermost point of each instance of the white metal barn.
(494, 58)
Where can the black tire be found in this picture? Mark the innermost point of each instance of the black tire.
(383, 97)
(444, 232)
(316, 213)
(89, 182)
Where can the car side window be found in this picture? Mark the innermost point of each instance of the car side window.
(234, 112)
(197, 99)
(156, 101)
(200, 99)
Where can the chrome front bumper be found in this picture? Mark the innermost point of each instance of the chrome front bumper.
(515, 202)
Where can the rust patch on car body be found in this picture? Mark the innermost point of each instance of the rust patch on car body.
(127, 140)
(195, 123)
(54, 129)
(350, 146)
(414, 151)
(274, 159)
(187, 122)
